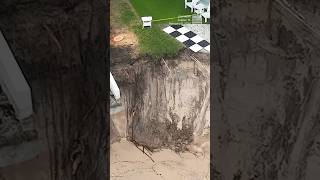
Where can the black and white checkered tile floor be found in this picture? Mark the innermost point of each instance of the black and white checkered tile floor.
(188, 38)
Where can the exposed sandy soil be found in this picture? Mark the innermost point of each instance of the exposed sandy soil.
(129, 38)
(162, 95)
(266, 95)
(129, 41)
(35, 169)
(129, 163)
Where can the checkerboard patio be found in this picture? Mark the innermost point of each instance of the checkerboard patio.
(187, 37)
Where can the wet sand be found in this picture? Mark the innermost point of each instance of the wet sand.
(129, 163)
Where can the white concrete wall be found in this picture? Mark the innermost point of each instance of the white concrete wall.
(13, 82)
(114, 87)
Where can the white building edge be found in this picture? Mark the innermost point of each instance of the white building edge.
(114, 88)
(13, 82)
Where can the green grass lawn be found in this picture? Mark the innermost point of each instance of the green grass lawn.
(152, 41)
(156, 43)
(160, 9)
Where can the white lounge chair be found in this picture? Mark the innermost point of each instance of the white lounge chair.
(190, 4)
(206, 14)
(200, 7)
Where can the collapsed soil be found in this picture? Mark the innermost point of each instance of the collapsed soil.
(162, 100)
(266, 90)
(129, 42)
(167, 164)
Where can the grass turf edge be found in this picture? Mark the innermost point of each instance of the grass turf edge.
(153, 42)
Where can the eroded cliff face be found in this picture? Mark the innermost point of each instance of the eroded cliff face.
(266, 91)
(18, 138)
(60, 49)
(163, 100)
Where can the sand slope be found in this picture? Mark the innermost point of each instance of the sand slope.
(129, 163)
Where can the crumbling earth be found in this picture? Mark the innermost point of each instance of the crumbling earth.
(162, 100)
(266, 90)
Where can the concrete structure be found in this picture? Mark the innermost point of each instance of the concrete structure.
(114, 88)
(13, 82)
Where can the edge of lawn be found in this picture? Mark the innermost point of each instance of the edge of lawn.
(153, 42)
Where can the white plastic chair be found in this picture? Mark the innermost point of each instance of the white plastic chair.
(146, 21)
(206, 14)
(190, 4)
(200, 8)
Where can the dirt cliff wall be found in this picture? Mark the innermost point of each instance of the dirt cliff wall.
(163, 100)
(61, 47)
(266, 90)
